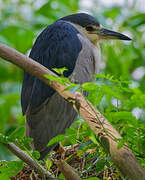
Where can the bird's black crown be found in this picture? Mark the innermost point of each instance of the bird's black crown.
(81, 19)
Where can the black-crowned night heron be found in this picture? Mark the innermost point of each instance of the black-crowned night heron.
(71, 42)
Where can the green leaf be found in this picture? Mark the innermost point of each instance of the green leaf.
(112, 12)
(100, 164)
(21, 36)
(73, 87)
(56, 139)
(92, 178)
(89, 86)
(122, 115)
(51, 77)
(111, 92)
(99, 75)
(18, 133)
(61, 176)
(9, 168)
(99, 96)
(4, 139)
(26, 142)
(36, 154)
(71, 134)
(93, 138)
(121, 144)
(135, 21)
(60, 70)
(54, 78)
(49, 163)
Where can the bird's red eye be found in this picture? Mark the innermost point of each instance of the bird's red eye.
(89, 28)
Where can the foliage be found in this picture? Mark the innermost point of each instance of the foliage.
(9, 168)
(119, 114)
(118, 92)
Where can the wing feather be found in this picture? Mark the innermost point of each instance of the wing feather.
(56, 47)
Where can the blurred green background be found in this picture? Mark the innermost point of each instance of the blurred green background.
(22, 20)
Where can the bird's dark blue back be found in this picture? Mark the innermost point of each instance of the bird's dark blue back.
(56, 47)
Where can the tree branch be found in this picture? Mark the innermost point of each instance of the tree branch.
(123, 158)
(67, 170)
(27, 159)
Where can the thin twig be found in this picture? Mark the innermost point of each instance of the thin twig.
(24, 157)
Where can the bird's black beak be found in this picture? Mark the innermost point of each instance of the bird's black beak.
(108, 34)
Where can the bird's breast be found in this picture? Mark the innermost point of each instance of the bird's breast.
(87, 63)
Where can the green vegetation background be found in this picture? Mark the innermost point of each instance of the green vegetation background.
(118, 97)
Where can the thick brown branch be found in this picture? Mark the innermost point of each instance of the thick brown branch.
(123, 158)
(67, 170)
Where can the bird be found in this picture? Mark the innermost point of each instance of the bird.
(71, 42)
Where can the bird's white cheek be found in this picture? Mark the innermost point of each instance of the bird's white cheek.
(94, 38)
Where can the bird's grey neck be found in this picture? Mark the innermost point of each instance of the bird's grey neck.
(92, 68)
(87, 62)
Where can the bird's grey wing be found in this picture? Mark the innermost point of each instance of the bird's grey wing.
(55, 114)
(51, 119)
(47, 114)
(56, 47)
